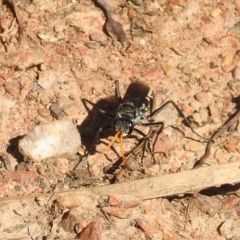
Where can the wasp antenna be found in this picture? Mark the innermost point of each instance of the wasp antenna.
(122, 150)
(106, 148)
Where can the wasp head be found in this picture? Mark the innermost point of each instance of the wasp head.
(124, 125)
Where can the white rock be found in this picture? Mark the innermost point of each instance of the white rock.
(53, 139)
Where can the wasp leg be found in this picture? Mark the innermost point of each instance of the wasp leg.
(87, 152)
(139, 132)
(158, 133)
(106, 114)
(152, 124)
(158, 110)
(154, 113)
(117, 93)
(97, 137)
(146, 136)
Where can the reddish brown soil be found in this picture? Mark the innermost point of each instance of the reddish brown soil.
(187, 51)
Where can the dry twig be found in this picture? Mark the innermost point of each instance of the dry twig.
(114, 28)
(218, 133)
(19, 19)
(9, 29)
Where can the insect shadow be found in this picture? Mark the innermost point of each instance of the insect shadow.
(13, 148)
(95, 120)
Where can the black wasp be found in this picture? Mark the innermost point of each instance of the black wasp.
(135, 107)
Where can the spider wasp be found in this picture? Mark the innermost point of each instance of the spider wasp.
(134, 109)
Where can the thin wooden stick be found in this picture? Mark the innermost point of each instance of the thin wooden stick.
(167, 185)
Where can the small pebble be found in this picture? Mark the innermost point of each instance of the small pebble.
(47, 79)
(146, 227)
(90, 62)
(234, 84)
(20, 175)
(152, 74)
(59, 28)
(114, 73)
(187, 70)
(138, 2)
(5, 23)
(195, 105)
(5, 106)
(180, 2)
(236, 72)
(92, 231)
(113, 201)
(127, 201)
(56, 111)
(238, 7)
(12, 88)
(142, 42)
(6, 161)
(231, 203)
(165, 67)
(207, 205)
(98, 37)
(198, 118)
(193, 147)
(231, 144)
(221, 156)
(64, 100)
(202, 97)
(148, 209)
(117, 212)
(71, 218)
(215, 12)
(43, 112)
(44, 99)
(23, 60)
(226, 229)
(237, 208)
(71, 110)
(214, 111)
(92, 45)
(206, 19)
(204, 113)
(84, 200)
(227, 60)
(130, 203)
(62, 165)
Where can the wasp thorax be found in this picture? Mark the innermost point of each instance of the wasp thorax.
(127, 110)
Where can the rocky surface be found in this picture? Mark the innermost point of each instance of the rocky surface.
(60, 59)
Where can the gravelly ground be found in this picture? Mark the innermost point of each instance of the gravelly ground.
(187, 51)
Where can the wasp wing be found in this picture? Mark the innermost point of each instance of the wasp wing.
(139, 93)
